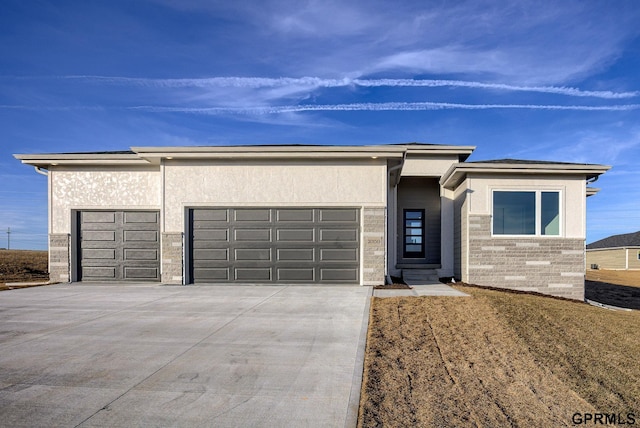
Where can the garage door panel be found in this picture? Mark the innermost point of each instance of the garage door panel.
(208, 224)
(99, 217)
(100, 253)
(297, 235)
(99, 272)
(333, 235)
(211, 214)
(212, 235)
(297, 245)
(295, 254)
(140, 235)
(212, 254)
(140, 254)
(140, 273)
(95, 235)
(336, 254)
(339, 215)
(296, 274)
(261, 215)
(249, 254)
(126, 248)
(144, 217)
(338, 275)
(207, 245)
(252, 274)
(262, 235)
(294, 215)
(205, 274)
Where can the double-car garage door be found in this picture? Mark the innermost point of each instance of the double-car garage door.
(274, 245)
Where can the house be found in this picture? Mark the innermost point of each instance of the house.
(620, 252)
(316, 215)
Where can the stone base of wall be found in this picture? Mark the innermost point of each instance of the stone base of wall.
(373, 248)
(59, 251)
(172, 263)
(545, 265)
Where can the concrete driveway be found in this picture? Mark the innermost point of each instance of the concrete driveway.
(153, 355)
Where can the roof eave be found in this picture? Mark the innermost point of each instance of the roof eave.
(47, 160)
(155, 154)
(457, 172)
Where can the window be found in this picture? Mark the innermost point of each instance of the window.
(526, 213)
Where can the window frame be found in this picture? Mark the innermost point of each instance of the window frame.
(537, 215)
(414, 254)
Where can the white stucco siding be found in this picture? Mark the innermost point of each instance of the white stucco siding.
(572, 203)
(335, 183)
(101, 189)
(425, 167)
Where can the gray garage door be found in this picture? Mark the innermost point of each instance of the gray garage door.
(274, 245)
(119, 246)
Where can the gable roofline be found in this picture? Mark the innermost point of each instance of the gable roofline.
(459, 171)
(623, 240)
(154, 155)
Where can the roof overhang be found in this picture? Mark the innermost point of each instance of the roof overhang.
(155, 154)
(458, 172)
(462, 152)
(626, 247)
(45, 161)
(592, 191)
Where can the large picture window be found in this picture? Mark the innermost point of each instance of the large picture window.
(526, 213)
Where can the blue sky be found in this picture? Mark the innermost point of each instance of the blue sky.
(543, 80)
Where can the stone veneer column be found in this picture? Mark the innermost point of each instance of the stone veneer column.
(59, 259)
(373, 248)
(172, 263)
(549, 265)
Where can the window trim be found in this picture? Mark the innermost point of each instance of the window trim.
(538, 213)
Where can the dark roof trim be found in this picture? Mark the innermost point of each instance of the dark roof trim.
(617, 241)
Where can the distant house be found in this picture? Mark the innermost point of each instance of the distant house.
(620, 252)
(316, 215)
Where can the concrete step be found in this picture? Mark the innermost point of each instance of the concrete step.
(427, 275)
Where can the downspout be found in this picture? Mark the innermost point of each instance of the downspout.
(386, 214)
(41, 172)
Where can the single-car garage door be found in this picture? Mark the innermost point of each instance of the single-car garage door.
(119, 246)
(274, 245)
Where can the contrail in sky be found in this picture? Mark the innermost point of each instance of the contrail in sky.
(317, 82)
(391, 106)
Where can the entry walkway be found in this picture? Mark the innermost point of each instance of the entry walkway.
(421, 289)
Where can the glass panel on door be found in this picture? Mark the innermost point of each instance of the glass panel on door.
(413, 234)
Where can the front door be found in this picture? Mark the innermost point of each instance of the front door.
(413, 242)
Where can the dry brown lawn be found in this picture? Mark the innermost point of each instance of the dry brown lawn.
(629, 278)
(497, 359)
(23, 266)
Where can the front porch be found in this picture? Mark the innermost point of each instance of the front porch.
(417, 224)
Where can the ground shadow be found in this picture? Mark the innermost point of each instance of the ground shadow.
(621, 296)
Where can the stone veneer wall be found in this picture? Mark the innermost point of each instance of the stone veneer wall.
(172, 258)
(373, 248)
(59, 258)
(552, 266)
